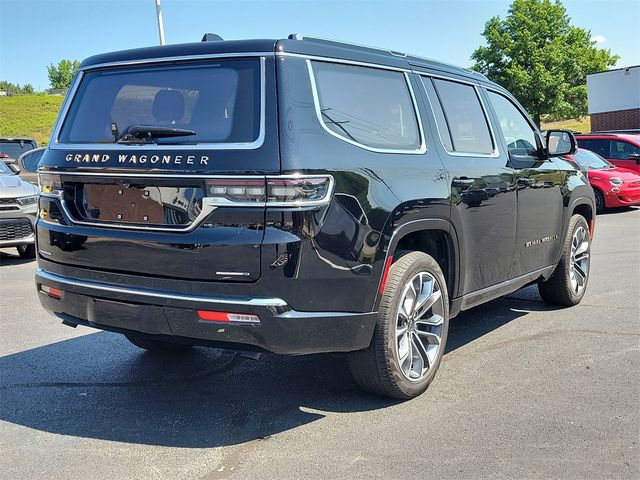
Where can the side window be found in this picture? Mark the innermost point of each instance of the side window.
(441, 121)
(622, 150)
(465, 118)
(518, 134)
(601, 147)
(367, 106)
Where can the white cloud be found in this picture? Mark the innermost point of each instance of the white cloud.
(599, 38)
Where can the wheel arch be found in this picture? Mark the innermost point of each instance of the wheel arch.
(434, 236)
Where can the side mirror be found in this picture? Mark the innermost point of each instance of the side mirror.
(30, 160)
(561, 142)
(14, 168)
(636, 157)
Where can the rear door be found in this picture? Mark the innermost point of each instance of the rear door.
(125, 195)
(482, 184)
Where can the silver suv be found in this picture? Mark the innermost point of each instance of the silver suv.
(18, 209)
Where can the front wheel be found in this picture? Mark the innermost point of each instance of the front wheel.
(600, 205)
(569, 282)
(410, 335)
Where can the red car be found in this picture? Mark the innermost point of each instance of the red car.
(613, 186)
(621, 149)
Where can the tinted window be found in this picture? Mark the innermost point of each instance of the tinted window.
(601, 147)
(219, 101)
(368, 106)
(4, 170)
(465, 117)
(15, 148)
(441, 121)
(516, 130)
(622, 150)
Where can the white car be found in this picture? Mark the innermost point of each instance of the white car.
(18, 210)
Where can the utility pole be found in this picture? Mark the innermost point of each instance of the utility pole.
(160, 24)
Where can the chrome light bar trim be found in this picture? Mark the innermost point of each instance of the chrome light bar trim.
(55, 144)
(209, 204)
(103, 287)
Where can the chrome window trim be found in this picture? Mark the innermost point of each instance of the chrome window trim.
(496, 149)
(252, 302)
(316, 104)
(257, 143)
(209, 204)
(321, 58)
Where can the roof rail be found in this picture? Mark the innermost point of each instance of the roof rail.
(339, 43)
(630, 131)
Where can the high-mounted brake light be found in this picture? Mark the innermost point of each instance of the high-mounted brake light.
(274, 191)
(227, 317)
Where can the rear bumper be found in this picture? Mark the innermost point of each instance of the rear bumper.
(166, 314)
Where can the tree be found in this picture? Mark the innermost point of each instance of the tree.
(61, 75)
(542, 59)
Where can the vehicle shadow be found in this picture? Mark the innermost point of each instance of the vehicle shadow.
(99, 386)
(614, 210)
(7, 258)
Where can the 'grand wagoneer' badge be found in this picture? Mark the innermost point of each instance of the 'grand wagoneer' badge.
(138, 159)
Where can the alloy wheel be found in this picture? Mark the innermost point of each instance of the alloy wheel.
(419, 326)
(579, 266)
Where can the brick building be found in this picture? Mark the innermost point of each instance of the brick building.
(614, 99)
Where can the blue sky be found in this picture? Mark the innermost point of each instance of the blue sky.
(34, 33)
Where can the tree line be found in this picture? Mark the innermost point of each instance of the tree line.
(534, 52)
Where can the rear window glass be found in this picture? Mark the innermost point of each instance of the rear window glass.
(219, 101)
(465, 117)
(15, 148)
(368, 106)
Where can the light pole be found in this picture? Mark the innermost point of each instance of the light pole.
(160, 24)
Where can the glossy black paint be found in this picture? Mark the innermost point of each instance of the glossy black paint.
(318, 259)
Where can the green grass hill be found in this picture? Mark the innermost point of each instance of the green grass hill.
(29, 116)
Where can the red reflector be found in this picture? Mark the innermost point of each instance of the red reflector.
(226, 317)
(592, 226)
(385, 274)
(51, 291)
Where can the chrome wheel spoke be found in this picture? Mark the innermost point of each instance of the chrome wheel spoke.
(419, 326)
(579, 266)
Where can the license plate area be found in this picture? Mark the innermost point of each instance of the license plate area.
(138, 202)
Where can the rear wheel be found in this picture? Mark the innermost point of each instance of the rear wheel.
(569, 282)
(27, 251)
(410, 335)
(157, 346)
(600, 206)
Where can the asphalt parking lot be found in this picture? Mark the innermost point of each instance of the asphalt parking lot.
(525, 391)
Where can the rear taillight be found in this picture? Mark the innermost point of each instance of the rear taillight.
(274, 191)
(227, 317)
(49, 183)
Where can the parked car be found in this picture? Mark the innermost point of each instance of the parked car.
(613, 186)
(18, 209)
(621, 149)
(301, 196)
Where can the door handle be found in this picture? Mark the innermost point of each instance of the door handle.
(462, 182)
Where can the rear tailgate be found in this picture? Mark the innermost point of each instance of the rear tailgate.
(144, 207)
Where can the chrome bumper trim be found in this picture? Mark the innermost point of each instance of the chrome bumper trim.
(103, 287)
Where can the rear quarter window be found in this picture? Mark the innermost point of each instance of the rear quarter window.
(219, 101)
(366, 106)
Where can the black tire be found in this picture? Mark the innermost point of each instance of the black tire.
(600, 206)
(157, 346)
(377, 368)
(27, 251)
(558, 289)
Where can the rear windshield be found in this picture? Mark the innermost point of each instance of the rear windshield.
(219, 102)
(15, 148)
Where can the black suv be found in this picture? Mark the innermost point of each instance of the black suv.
(300, 196)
